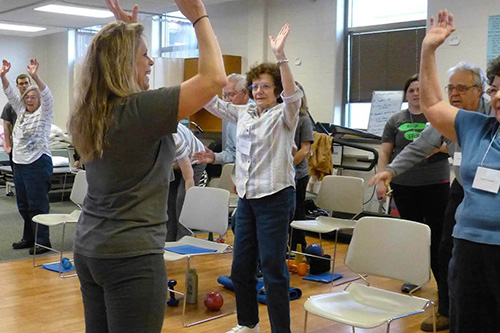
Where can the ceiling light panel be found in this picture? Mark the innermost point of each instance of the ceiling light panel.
(24, 28)
(78, 11)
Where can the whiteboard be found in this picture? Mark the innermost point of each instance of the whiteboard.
(384, 105)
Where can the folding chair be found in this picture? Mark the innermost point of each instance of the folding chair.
(226, 182)
(338, 194)
(78, 193)
(204, 209)
(380, 246)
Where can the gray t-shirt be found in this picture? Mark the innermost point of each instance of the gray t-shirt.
(9, 114)
(428, 141)
(125, 210)
(402, 129)
(303, 133)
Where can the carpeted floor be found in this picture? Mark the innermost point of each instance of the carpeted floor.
(11, 226)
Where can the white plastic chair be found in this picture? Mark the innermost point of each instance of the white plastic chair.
(78, 193)
(204, 209)
(386, 247)
(340, 194)
(226, 182)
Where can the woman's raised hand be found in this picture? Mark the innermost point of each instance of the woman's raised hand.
(192, 9)
(120, 14)
(278, 43)
(32, 68)
(438, 33)
(5, 67)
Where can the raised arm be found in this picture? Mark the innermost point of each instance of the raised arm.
(440, 114)
(3, 74)
(120, 15)
(12, 96)
(32, 69)
(278, 48)
(211, 77)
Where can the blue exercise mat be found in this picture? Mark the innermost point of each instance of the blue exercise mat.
(55, 268)
(189, 249)
(324, 277)
(225, 281)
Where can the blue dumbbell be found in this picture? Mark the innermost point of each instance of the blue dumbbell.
(66, 263)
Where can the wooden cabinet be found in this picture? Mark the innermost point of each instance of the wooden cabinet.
(207, 121)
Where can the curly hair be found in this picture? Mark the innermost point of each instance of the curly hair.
(265, 68)
(493, 70)
(108, 74)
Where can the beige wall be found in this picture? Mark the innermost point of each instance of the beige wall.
(471, 20)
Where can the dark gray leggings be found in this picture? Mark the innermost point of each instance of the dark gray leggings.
(124, 294)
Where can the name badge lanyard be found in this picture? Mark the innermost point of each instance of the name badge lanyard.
(487, 179)
(489, 146)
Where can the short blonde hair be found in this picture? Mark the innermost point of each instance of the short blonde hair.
(108, 75)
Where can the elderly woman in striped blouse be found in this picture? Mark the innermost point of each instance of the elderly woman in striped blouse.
(31, 155)
(266, 187)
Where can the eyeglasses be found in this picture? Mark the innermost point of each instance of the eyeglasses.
(30, 98)
(231, 94)
(492, 91)
(462, 89)
(263, 86)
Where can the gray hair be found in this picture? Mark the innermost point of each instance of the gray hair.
(31, 88)
(477, 72)
(239, 81)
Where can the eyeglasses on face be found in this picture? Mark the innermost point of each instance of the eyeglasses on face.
(30, 98)
(461, 88)
(492, 91)
(263, 86)
(227, 95)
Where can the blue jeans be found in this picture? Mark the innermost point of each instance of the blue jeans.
(474, 287)
(124, 294)
(261, 231)
(32, 182)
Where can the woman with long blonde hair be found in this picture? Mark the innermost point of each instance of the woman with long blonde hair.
(123, 132)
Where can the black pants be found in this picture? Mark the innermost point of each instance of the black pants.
(299, 236)
(124, 294)
(425, 204)
(474, 288)
(446, 246)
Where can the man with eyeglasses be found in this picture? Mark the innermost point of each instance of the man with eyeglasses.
(236, 93)
(465, 91)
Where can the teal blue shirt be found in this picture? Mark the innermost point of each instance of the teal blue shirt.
(478, 216)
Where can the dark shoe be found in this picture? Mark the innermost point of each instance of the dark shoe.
(39, 249)
(22, 244)
(442, 323)
(407, 287)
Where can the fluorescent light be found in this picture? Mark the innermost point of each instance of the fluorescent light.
(78, 11)
(16, 27)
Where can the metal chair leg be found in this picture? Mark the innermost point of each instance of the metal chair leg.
(305, 322)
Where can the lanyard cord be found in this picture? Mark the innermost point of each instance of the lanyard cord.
(487, 150)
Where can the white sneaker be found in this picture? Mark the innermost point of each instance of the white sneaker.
(245, 329)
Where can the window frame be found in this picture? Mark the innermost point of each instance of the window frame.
(165, 49)
(348, 32)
